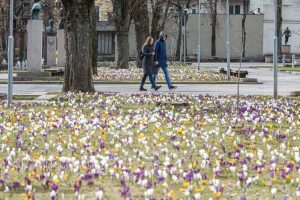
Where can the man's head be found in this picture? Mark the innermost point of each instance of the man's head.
(163, 35)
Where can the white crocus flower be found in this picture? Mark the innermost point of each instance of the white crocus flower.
(197, 196)
(99, 195)
(273, 191)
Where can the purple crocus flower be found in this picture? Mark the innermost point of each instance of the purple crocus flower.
(77, 185)
(16, 184)
(54, 187)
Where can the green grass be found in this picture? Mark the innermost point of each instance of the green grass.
(295, 69)
(25, 97)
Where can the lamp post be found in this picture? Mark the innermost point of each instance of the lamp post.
(199, 35)
(275, 52)
(228, 41)
(10, 54)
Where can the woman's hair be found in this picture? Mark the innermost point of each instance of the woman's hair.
(149, 41)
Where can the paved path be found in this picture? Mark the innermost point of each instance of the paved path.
(286, 83)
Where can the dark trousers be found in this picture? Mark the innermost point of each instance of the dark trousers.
(144, 80)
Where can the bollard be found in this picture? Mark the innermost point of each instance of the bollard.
(293, 61)
(283, 60)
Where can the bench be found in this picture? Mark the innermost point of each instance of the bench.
(3, 96)
(55, 71)
(3, 67)
(235, 72)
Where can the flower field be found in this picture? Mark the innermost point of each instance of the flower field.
(111, 146)
(177, 73)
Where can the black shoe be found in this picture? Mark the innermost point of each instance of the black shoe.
(143, 89)
(157, 87)
(172, 87)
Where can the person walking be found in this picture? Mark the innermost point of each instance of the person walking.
(161, 59)
(148, 64)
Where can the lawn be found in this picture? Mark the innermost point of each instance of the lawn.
(106, 72)
(295, 69)
(127, 147)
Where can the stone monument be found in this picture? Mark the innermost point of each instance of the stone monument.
(61, 52)
(286, 49)
(35, 39)
(51, 43)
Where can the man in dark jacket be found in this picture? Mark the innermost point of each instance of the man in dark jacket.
(161, 58)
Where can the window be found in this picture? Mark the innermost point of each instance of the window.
(106, 43)
(231, 10)
(235, 9)
(194, 10)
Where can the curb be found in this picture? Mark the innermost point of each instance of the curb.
(295, 94)
(133, 83)
(291, 72)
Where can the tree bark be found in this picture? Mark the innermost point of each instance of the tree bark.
(4, 37)
(123, 50)
(122, 18)
(141, 22)
(22, 46)
(158, 19)
(179, 38)
(78, 45)
(180, 9)
(244, 34)
(279, 26)
(213, 27)
(95, 41)
(4, 28)
(156, 15)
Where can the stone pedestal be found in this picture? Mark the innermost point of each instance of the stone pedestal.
(61, 52)
(34, 45)
(3, 96)
(286, 49)
(51, 51)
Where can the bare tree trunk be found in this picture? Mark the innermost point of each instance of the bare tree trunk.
(180, 8)
(4, 37)
(213, 27)
(123, 50)
(244, 34)
(279, 26)
(95, 41)
(156, 12)
(78, 72)
(179, 38)
(158, 19)
(22, 46)
(122, 17)
(4, 27)
(141, 22)
(164, 18)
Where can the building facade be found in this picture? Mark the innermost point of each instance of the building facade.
(253, 29)
(291, 19)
